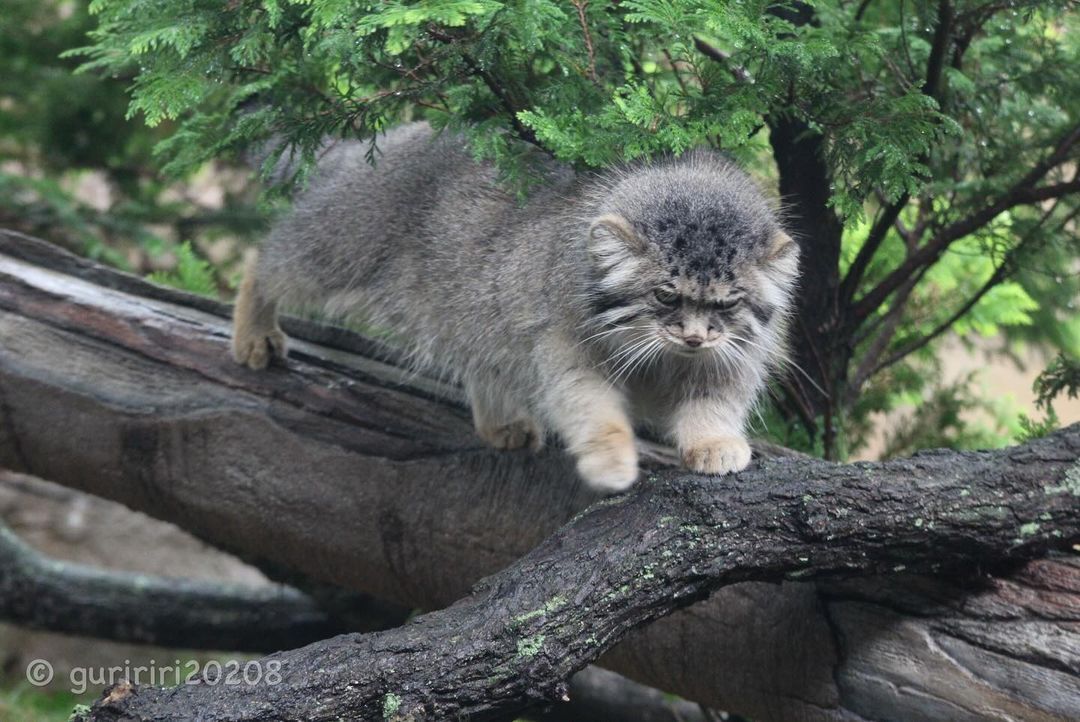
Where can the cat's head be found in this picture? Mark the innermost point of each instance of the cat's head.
(690, 254)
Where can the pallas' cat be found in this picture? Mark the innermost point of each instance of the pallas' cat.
(656, 295)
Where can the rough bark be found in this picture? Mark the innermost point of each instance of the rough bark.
(333, 467)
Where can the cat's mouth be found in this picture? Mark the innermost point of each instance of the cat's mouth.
(681, 347)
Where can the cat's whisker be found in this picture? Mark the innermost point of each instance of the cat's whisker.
(629, 359)
(607, 332)
(756, 408)
(731, 355)
(639, 360)
(657, 353)
(779, 353)
(626, 367)
(737, 358)
(648, 357)
(743, 357)
(721, 358)
(625, 350)
(643, 337)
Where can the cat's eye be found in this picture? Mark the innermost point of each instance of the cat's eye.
(666, 296)
(727, 304)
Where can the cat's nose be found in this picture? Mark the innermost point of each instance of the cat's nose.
(693, 341)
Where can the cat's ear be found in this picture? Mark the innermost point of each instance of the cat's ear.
(783, 255)
(611, 236)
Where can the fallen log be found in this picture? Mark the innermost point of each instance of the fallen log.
(336, 467)
(41, 593)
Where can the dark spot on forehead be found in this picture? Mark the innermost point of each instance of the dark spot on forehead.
(703, 240)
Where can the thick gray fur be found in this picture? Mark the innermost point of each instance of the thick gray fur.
(650, 295)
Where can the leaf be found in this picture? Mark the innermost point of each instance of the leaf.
(192, 273)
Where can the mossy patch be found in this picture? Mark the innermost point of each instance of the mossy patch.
(553, 604)
(1070, 484)
(390, 705)
(530, 646)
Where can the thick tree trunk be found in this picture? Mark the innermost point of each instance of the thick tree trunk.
(335, 468)
(822, 346)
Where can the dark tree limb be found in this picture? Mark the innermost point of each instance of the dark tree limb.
(505, 97)
(800, 159)
(874, 238)
(37, 592)
(334, 467)
(821, 351)
(939, 48)
(48, 594)
(890, 214)
(724, 58)
(51, 595)
(861, 10)
(886, 330)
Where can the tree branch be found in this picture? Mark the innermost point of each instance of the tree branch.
(932, 87)
(633, 559)
(520, 129)
(716, 54)
(912, 346)
(1022, 192)
(874, 239)
(887, 329)
(861, 10)
(1000, 274)
(501, 94)
(581, 6)
(939, 47)
(56, 596)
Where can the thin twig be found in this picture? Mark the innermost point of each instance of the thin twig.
(711, 51)
(581, 6)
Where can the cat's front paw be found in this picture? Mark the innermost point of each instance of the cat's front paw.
(608, 460)
(717, 456)
(254, 347)
(515, 435)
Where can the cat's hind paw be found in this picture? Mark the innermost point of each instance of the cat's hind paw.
(255, 348)
(608, 461)
(724, 455)
(515, 435)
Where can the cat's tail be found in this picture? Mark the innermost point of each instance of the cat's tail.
(275, 159)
